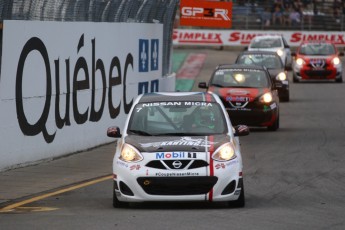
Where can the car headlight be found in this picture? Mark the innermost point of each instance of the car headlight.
(266, 98)
(280, 52)
(336, 61)
(225, 152)
(300, 62)
(130, 154)
(281, 76)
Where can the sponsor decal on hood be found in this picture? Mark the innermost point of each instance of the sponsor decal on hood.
(175, 143)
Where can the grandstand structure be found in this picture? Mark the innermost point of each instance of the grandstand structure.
(315, 15)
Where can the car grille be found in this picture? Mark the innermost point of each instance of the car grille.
(177, 164)
(193, 185)
(319, 74)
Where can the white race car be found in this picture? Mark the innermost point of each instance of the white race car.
(275, 43)
(178, 146)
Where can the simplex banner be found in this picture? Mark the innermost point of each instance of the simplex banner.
(243, 37)
(63, 84)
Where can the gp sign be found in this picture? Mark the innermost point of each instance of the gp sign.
(205, 13)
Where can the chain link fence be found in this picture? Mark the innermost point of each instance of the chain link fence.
(142, 11)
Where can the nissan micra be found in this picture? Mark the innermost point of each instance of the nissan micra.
(178, 146)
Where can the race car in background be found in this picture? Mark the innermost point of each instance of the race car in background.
(178, 147)
(274, 65)
(275, 43)
(317, 60)
(248, 94)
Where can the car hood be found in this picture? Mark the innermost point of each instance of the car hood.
(274, 72)
(239, 94)
(315, 57)
(176, 143)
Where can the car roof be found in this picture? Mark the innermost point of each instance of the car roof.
(317, 42)
(265, 36)
(241, 66)
(258, 52)
(177, 96)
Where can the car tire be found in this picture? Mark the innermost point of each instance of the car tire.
(116, 202)
(339, 80)
(240, 202)
(275, 125)
(294, 79)
(285, 97)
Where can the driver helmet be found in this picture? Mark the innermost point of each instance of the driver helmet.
(206, 118)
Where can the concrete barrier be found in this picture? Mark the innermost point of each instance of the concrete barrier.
(63, 83)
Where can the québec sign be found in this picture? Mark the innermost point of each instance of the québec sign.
(63, 84)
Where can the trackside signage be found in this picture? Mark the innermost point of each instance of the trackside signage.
(206, 13)
(62, 84)
(243, 37)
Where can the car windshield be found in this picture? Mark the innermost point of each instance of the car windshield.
(240, 78)
(177, 118)
(269, 60)
(317, 49)
(266, 43)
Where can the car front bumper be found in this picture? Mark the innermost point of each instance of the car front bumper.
(313, 74)
(254, 116)
(218, 181)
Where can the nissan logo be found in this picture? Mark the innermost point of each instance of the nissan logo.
(177, 164)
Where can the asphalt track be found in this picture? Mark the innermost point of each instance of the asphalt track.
(293, 178)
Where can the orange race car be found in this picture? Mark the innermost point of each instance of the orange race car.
(248, 93)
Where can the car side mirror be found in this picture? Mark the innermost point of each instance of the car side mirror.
(202, 85)
(114, 132)
(241, 130)
(293, 54)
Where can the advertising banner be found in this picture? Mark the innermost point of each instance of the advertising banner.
(243, 37)
(205, 13)
(63, 84)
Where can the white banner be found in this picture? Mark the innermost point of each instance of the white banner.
(243, 37)
(63, 83)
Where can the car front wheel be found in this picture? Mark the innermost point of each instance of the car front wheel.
(339, 80)
(275, 125)
(294, 79)
(285, 97)
(116, 202)
(240, 202)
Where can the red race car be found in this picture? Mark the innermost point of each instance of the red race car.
(248, 93)
(317, 60)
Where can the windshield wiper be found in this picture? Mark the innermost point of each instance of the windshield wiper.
(140, 132)
(172, 134)
(218, 85)
(182, 134)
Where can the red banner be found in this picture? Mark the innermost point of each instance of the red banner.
(214, 37)
(206, 13)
